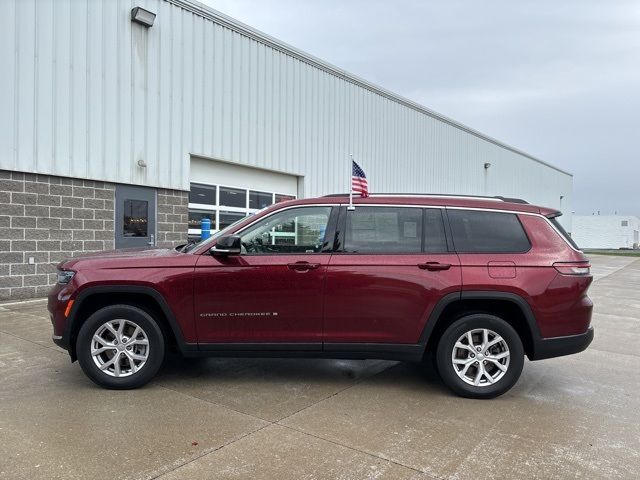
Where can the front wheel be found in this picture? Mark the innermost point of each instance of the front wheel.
(120, 347)
(480, 356)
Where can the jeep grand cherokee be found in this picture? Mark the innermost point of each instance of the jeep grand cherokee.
(474, 284)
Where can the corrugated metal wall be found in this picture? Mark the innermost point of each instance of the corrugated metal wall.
(87, 93)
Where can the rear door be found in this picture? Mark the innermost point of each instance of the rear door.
(393, 266)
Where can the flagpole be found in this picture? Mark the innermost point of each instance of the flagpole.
(351, 207)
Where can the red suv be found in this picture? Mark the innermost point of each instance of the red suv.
(474, 283)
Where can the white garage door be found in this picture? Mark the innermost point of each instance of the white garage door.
(225, 192)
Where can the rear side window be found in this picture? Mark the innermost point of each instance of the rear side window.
(563, 232)
(384, 230)
(487, 232)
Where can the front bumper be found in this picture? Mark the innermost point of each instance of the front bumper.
(559, 346)
(59, 341)
(58, 299)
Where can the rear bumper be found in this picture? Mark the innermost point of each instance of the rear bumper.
(559, 346)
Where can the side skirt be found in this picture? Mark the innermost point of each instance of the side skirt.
(355, 351)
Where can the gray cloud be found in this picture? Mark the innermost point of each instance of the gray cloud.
(560, 80)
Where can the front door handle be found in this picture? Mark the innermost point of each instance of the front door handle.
(302, 266)
(434, 266)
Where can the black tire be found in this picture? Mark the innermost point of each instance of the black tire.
(445, 351)
(156, 347)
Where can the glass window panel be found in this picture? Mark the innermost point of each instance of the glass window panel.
(478, 231)
(260, 200)
(227, 218)
(284, 198)
(135, 218)
(435, 240)
(202, 194)
(384, 230)
(195, 216)
(299, 230)
(233, 197)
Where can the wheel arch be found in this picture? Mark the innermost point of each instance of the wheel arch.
(511, 307)
(148, 299)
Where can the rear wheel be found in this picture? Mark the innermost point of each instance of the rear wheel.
(480, 356)
(120, 347)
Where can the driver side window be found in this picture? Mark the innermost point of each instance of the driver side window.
(296, 230)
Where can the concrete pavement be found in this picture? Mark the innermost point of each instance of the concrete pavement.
(570, 417)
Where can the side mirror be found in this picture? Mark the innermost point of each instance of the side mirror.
(227, 245)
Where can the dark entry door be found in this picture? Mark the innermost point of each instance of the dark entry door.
(135, 216)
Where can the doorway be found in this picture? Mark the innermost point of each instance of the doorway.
(135, 216)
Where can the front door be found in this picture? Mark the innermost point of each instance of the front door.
(272, 292)
(135, 216)
(393, 268)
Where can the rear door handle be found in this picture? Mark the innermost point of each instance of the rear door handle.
(302, 266)
(434, 266)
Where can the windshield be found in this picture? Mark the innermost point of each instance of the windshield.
(191, 246)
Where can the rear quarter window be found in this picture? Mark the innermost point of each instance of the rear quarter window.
(476, 231)
(554, 221)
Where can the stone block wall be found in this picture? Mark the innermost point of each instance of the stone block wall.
(172, 208)
(45, 219)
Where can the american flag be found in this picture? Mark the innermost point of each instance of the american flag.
(359, 180)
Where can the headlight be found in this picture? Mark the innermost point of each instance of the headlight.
(65, 276)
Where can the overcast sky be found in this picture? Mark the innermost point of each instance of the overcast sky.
(557, 79)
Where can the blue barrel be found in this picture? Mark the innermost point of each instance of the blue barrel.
(205, 226)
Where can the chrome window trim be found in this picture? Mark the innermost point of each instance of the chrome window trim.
(522, 213)
(517, 212)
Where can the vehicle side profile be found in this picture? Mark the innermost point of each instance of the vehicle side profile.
(471, 283)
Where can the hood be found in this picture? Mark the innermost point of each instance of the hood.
(132, 256)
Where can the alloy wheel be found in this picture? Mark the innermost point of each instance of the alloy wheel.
(120, 348)
(480, 357)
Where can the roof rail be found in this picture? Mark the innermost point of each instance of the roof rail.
(496, 198)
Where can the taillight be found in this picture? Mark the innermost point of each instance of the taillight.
(573, 268)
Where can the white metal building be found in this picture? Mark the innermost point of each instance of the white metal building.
(606, 231)
(200, 102)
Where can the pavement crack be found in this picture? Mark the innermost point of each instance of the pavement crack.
(370, 454)
(206, 452)
(52, 348)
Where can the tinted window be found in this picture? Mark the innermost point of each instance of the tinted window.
(135, 218)
(227, 218)
(233, 197)
(195, 216)
(260, 200)
(202, 194)
(384, 230)
(478, 231)
(435, 240)
(298, 230)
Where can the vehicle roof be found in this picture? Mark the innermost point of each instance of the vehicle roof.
(494, 203)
